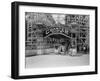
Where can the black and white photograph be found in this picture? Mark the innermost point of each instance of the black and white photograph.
(56, 40)
(50, 40)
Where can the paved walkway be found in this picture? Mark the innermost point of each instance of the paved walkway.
(56, 61)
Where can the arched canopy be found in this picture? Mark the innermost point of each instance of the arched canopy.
(58, 35)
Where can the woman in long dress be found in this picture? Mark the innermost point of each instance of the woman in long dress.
(61, 49)
(56, 50)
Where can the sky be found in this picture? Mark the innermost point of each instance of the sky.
(59, 18)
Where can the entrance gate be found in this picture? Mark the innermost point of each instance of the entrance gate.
(60, 42)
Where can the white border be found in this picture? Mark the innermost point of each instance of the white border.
(23, 71)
